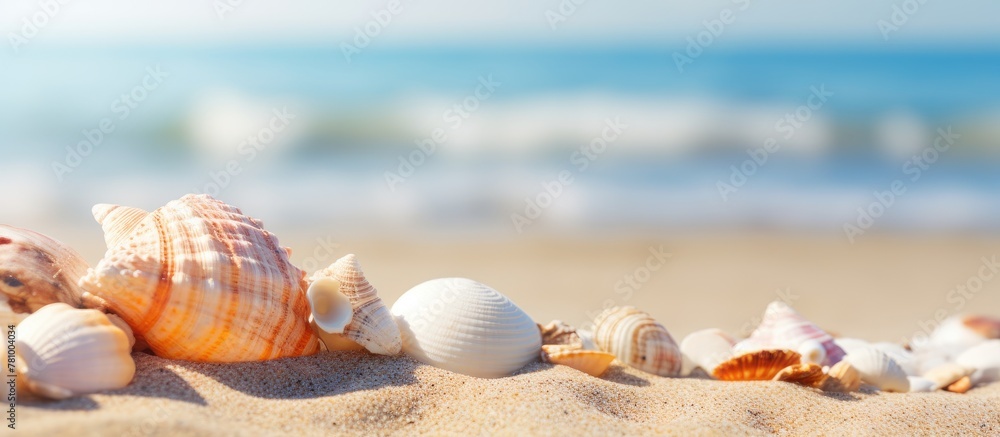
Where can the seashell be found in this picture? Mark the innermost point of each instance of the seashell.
(587, 338)
(944, 375)
(637, 340)
(331, 309)
(985, 358)
(809, 375)
(961, 386)
(707, 348)
(962, 332)
(906, 359)
(64, 351)
(200, 281)
(783, 328)
(761, 365)
(372, 325)
(593, 363)
(919, 384)
(842, 378)
(466, 327)
(876, 368)
(557, 332)
(36, 270)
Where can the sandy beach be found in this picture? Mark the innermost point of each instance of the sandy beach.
(882, 288)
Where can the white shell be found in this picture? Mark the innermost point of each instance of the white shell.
(906, 359)
(63, 351)
(919, 384)
(946, 374)
(953, 332)
(466, 327)
(876, 368)
(985, 358)
(331, 309)
(706, 349)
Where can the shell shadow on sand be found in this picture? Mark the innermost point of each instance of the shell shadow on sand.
(319, 375)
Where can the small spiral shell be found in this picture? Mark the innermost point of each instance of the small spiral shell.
(638, 340)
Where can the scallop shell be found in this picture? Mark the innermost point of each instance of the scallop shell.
(36, 270)
(945, 375)
(962, 332)
(907, 360)
(762, 365)
(707, 348)
(637, 340)
(63, 351)
(842, 378)
(985, 358)
(876, 368)
(784, 328)
(372, 325)
(593, 363)
(200, 281)
(809, 375)
(466, 327)
(557, 332)
(919, 384)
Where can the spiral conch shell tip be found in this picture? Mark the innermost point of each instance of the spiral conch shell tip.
(344, 302)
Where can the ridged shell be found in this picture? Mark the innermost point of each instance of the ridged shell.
(466, 327)
(876, 368)
(331, 309)
(593, 363)
(200, 281)
(558, 332)
(809, 375)
(842, 378)
(372, 325)
(36, 270)
(707, 348)
(760, 365)
(985, 358)
(637, 340)
(906, 359)
(63, 351)
(784, 328)
(962, 332)
(946, 374)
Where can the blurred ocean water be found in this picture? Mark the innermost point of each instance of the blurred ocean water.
(353, 121)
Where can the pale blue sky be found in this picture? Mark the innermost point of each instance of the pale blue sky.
(436, 21)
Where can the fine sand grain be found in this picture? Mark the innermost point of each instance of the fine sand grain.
(880, 288)
(358, 393)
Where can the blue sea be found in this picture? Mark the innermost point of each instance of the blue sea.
(686, 132)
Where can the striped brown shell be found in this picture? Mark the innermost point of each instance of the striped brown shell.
(808, 374)
(200, 281)
(36, 270)
(638, 340)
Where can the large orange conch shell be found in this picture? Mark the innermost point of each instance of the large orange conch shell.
(200, 281)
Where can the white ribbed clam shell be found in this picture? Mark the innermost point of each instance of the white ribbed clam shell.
(466, 327)
(878, 369)
(985, 358)
(63, 351)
